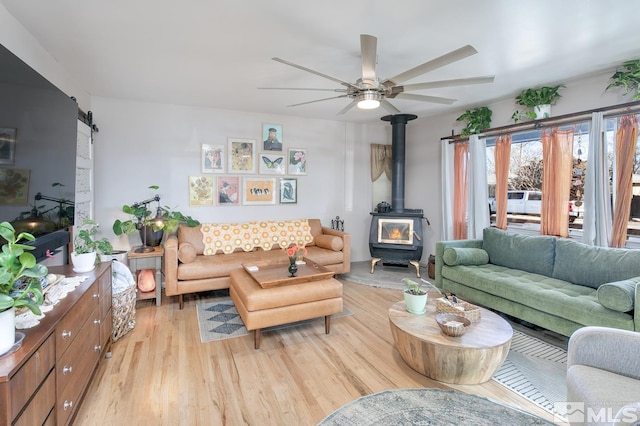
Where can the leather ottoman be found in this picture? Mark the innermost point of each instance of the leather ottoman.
(265, 307)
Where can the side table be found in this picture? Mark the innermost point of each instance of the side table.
(151, 260)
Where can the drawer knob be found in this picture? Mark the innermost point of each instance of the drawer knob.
(67, 369)
(96, 295)
(67, 405)
(96, 348)
(66, 334)
(96, 321)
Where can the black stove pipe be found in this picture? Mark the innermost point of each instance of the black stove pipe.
(398, 135)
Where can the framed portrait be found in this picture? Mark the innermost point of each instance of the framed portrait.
(271, 137)
(228, 189)
(258, 191)
(200, 190)
(242, 155)
(14, 187)
(272, 164)
(212, 158)
(288, 190)
(7, 145)
(297, 164)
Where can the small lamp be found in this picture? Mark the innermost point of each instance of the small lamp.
(141, 226)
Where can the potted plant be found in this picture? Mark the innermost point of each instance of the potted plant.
(20, 282)
(477, 120)
(415, 297)
(628, 78)
(86, 247)
(538, 101)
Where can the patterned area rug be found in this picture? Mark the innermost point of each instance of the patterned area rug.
(218, 319)
(428, 407)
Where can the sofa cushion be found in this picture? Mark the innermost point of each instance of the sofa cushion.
(330, 242)
(316, 230)
(192, 236)
(619, 295)
(533, 254)
(186, 253)
(465, 256)
(593, 266)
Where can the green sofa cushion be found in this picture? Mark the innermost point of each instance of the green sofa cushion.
(593, 266)
(535, 254)
(465, 256)
(619, 295)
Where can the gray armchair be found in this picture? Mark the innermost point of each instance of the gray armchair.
(603, 373)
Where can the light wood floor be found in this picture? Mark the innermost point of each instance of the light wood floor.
(161, 374)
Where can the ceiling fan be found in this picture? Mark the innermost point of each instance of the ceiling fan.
(368, 92)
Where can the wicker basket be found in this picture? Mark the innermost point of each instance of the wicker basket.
(469, 311)
(124, 312)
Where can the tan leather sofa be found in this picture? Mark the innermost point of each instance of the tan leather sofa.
(188, 270)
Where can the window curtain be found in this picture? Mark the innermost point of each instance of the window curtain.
(380, 161)
(596, 227)
(502, 156)
(557, 153)
(447, 190)
(460, 189)
(478, 211)
(626, 138)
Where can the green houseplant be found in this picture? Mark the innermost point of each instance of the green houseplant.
(477, 120)
(86, 246)
(20, 282)
(534, 99)
(627, 77)
(415, 297)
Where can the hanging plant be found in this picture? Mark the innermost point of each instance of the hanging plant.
(532, 98)
(477, 120)
(628, 78)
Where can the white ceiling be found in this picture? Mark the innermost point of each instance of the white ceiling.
(215, 53)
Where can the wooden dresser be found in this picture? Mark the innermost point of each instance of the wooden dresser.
(44, 381)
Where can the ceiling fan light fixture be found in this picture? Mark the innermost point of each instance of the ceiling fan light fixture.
(369, 99)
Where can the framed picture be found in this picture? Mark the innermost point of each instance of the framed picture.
(7, 145)
(288, 190)
(271, 137)
(200, 190)
(228, 190)
(14, 187)
(212, 158)
(242, 155)
(258, 191)
(297, 164)
(272, 164)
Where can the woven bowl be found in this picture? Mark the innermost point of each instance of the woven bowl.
(451, 330)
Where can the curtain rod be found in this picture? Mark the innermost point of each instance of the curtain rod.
(576, 117)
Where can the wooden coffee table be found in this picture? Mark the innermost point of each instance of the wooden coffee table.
(472, 358)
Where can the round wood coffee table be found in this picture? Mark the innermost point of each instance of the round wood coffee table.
(470, 359)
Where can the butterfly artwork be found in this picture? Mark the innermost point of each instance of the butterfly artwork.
(272, 164)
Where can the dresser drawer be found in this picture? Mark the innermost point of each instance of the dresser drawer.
(41, 406)
(26, 381)
(70, 325)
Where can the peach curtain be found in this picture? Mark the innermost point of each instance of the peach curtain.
(460, 189)
(380, 161)
(502, 155)
(557, 153)
(625, 153)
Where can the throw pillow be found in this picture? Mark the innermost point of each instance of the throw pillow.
(330, 242)
(186, 253)
(619, 295)
(465, 256)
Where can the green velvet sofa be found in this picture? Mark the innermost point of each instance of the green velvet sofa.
(555, 283)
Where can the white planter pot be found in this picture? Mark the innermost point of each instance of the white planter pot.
(542, 111)
(416, 304)
(84, 262)
(7, 330)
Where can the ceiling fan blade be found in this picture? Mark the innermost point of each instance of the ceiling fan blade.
(300, 67)
(389, 107)
(423, 98)
(368, 47)
(433, 64)
(447, 83)
(347, 108)
(318, 100)
(303, 88)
